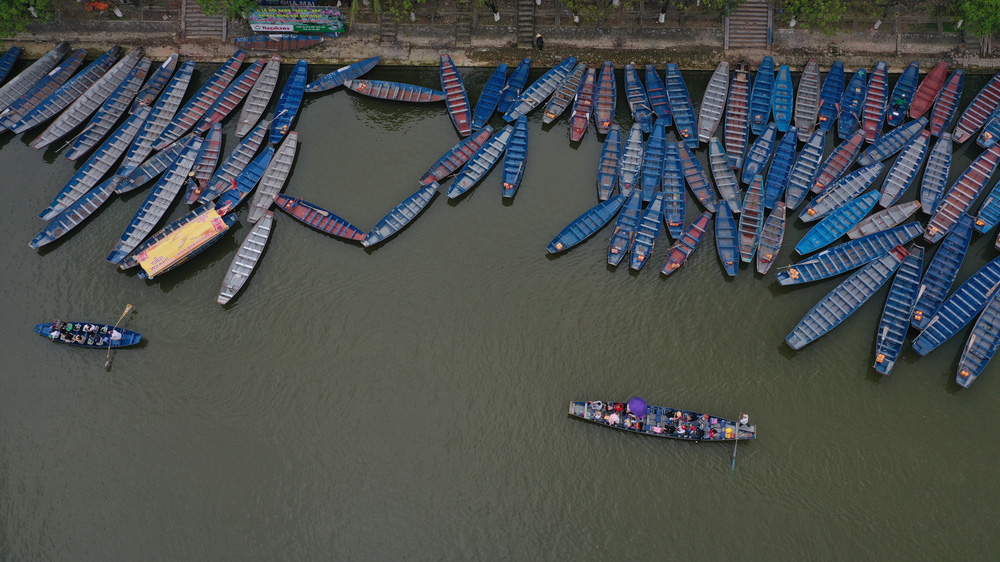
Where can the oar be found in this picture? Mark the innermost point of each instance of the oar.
(91, 126)
(737, 443)
(107, 362)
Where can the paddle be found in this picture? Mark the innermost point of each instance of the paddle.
(737, 443)
(107, 362)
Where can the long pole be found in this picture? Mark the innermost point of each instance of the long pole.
(737, 443)
(107, 361)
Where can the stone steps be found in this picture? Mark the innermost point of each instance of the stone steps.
(199, 26)
(387, 31)
(525, 24)
(748, 26)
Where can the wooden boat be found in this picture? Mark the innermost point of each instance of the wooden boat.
(244, 183)
(904, 170)
(751, 220)
(489, 97)
(959, 309)
(657, 94)
(512, 89)
(674, 206)
(586, 225)
(180, 246)
(234, 163)
(935, 177)
(289, 103)
(988, 137)
(456, 97)
(771, 236)
(725, 178)
(205, 168)
(840, 192)
(845, 298)
(402, 215)
(638, 103)
(665, 422)
(688, 242)
(41, 90)
(246, 258)
(394, 91)
(902, 95)
(153, 166)
(539, 90)
(564, 94)
(737, 116)
(318, 218)
(849, 255)
(713, 103)
(456, 157)
(623, 235)
(583, 106)
(836, 224)
(480, 163)
(607, 168)
(7, 61)
(886, 218)
(336, 78)
(977, 112)
(783, 99)
(274, 177)
(941, 272)
(760, 96)
(804, 171)
(98, 338)
(630, 165)
(727, 241)
(260, 96)
(838, 162)
(981, 345)
(989, 212)
(652, 161)
(807, 101)
(152, 88)
(928, 90)
(781, 169)
(895, 320)
(156, 204)
(876, 102)
(110, 112)
(30, 76)
(946, 103)
(277, 42)
(192, 112)
(196, 214)
(830, 95)
(73, 214)
(606, 99)
(852, 105)
(962, 194)
(759, 153)
(648, 229)
(680, 106)
(515, 157)
(697, 180)
(230, 97)
(892, 142)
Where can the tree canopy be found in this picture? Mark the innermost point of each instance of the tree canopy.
(821, 15)
(233, 9)
(15, 15)
(982, 17)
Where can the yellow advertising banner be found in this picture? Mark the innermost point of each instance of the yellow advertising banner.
(181, 242)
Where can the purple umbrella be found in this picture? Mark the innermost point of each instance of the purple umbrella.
(637, 406)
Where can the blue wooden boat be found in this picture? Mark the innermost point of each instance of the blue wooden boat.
(192, 112)
(515, 157)
(481, 163)
(110, 112)
(607, 168)
(244, 183)
(336, 78)
(688, 242)
(947, 102)
(652, 161)
(899, 100)
(804, 171)
(928, 90)
(829, 96)
(962, 194)
(515, 83)
(783, 99)
(630, 165)
(760, 96)
(725, 178)
(7, 61)
(697, 180)
(402, 215)
(246, 258)
(30, 76)
(771, 236)
(657, 94)
(935, 177)
(153, 166)
(664, 422)
(680, 106)
(318, 218)
(637, 100)
(989, 211)
(886, 218)
(844, 190)
(154, 85)
(849, 255)
(713, 103)
(981, 345)
(623, 235)
(959, 309)
(456, 97)
(98, 337)
(606, 99)
(647, 231)
(583, 106)
(892, 142)
(277, 42)
(876, 102)
(904, 170)
(977, 112)
(540, 89)
(41, 90)
(586, 225)
(845, 298)
(220, 226)
(457, 156)
(991, 129)
(727, 240)
(73, 214)
(234, 163)
(230, 97)
(394, 91)
(203, 171)
(259, 97)
(759, 153)
(838, 223)
(895, 321)
(852, 105)
(781, 168)
(838, 162)
(737, 117)
(489, 98)
(290, 102)
(807, 101)
(674, 206)
(941, 273)
(752, 219)
(564, 95)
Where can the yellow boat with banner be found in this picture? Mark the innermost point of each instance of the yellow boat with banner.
(183, 243)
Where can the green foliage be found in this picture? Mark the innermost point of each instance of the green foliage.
(233, 9)
(594, 10)
(821, 15)
(721, 6)
(982, 17)
(15, 16)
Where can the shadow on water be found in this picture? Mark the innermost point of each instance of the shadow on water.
(392, 116)
(221, 250)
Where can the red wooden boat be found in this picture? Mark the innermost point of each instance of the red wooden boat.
(457, 156)
(318, 218)
(978, 111)
(231, 97)
(583, 106)
(960, 197)
(947, 102)
(682, 249)
(607, 97)
(456, 97)
(205, 168)
(838, 162)
(928, 90)
(737, 124)
(876, 102)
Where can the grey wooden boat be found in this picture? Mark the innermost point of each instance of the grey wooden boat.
(41, 90)
(724, 176)
(234, 164)
(203, 100)
(246, 258)
(274, 177)
(539, 90)
(481, 163)
(807, 101)
(152, 88)
(110, 112)
(771, 236)
(842, 191)
(935, 179)
(800, 179)
(904, 170)
(630, 165)
(73, 215)
(153, 166)
(564, 94)
(20, 84)
(884, 219)
(982, 343)
(713, 103)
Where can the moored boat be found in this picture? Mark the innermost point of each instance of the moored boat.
(152, 167)
(759, 153)
(638, 103)
(456, 97)
(683, 247)
(681, 107)
(73, 214)
(652, 161)
(666, 422)
(205, 168)
(657, 94)
(876, 102)
(727, 240)
(840, 192)
(583, 106)
(852, 105)
(647, 231)
(674, 205)
(20, 84)
(183, 244)
(246, 259)
(88, 334)
(337, 77)
(886, 218)
(606, 99)
(989, 212)
(230, 97)
(277, 42)
(829, 96)
(800, 179)
(697, 180)
(154, 85)
(288, 103)
(962, 194)
(192, 112)
(480, 163)
(402, 215)
(904, 170)
(234, 163)
(515, 83)
(394, 91)
(977, 112)
(318, 218)
(982, 343)
(260, 95)
(586, 225)
(564, 94)
(515, 157)
(41, 90)
(751, 220)
(760, 96)
(607, 167)
(901, 96)
(892, 142)
(713, 103)
(110, 112)
(771, 236)
(781, 168)
(895, 320)
(623, 235)
(935, 178)
(274, 177)
(7, 61)
(941, 272)
(783, 99)
(839, 222)
(807, 101)
(849, 255)
(928, 90)
(959, 308)
(725, 178)
(630, 165)
(457, 156)
(539, 90)
(947, 103)
(737, 117)
(838, 162)
(486, 105)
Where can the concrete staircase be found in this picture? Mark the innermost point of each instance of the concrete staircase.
(463, 28)
(525, 24)
(197, 25)
(749, 26)
(387, 30)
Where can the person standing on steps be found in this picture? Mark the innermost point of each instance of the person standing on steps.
(539, 42)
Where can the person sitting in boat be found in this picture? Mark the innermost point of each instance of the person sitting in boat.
(79, 338)
(680, 430)
(54, 333)
(116, 335)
